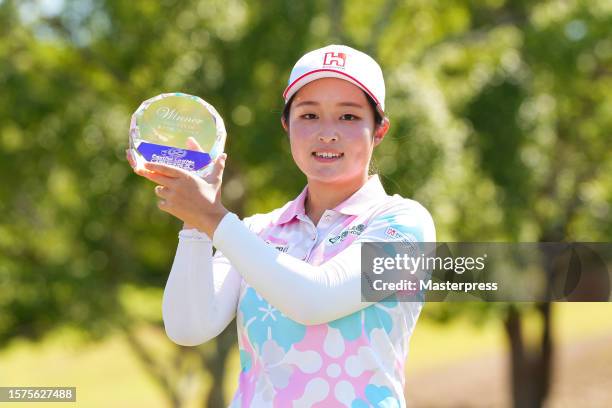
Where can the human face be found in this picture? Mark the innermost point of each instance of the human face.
(332, 116)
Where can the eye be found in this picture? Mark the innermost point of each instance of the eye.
(349, 117)
(309, 116)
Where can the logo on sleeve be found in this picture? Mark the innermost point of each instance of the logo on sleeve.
(355, 230)
(408, 240)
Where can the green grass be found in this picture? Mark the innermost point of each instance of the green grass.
(108, 374)
(435, 344)
(105, 374)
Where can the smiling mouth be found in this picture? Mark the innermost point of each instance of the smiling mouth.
(327, 155)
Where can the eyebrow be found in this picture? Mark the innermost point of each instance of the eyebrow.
(311, 103)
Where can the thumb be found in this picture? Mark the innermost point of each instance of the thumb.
(193, 144)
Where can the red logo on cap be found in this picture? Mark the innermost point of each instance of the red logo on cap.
(334, 58)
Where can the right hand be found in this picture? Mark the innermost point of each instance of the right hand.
(192, 144)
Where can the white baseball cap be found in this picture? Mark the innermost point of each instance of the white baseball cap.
(339, 61)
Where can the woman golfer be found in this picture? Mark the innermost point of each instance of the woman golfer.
(292, 277)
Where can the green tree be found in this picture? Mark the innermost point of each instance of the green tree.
(500, 127)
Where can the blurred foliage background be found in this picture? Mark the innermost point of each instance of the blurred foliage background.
(501, 126)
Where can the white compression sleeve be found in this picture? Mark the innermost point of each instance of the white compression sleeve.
(201, 294)
(305, 293)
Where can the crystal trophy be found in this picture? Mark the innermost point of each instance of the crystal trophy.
(179, 130)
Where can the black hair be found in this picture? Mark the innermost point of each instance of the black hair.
(378, 118)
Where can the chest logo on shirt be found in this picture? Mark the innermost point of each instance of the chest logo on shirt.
(355, 230)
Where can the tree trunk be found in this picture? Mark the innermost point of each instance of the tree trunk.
(519, 360)
(544, 368)
(161, 377)
(530, 369)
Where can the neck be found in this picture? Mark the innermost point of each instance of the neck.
(325, 196)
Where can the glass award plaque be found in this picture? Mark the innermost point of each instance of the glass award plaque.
(179, 130)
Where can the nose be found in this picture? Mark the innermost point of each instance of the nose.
(328, 135)
(328, 139)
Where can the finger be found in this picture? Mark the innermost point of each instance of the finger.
(155, 177)
(162, 204)
(193, 144)
(162, 191)
(133, 159)
(221, 159)
(164, 169)
(130, 158)
(219, 167)
(166, 206)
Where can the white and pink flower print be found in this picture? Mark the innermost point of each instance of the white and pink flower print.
(356, 361)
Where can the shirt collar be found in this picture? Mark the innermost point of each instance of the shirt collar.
(363, 199)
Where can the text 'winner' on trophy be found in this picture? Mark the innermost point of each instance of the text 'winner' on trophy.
(179, 130)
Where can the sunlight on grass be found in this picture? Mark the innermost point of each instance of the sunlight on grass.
(435, 344)
(105, 374)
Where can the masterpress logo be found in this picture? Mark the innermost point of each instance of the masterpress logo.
(488, 271)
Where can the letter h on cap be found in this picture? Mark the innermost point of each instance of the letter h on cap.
(334, 58)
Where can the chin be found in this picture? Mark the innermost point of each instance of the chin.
(335, 177)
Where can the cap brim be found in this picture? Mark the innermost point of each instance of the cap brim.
(310, 76)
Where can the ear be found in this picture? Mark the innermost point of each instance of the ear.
(381, 130)
(284, 123)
